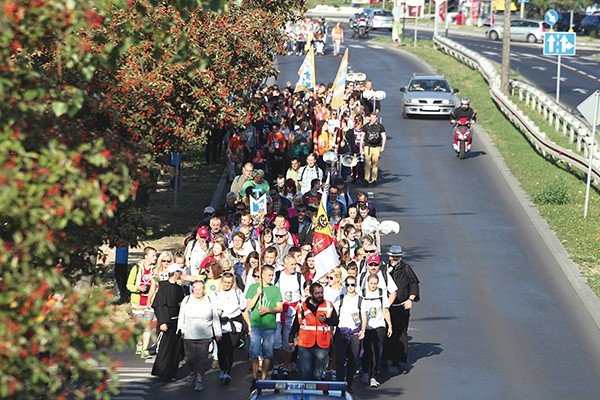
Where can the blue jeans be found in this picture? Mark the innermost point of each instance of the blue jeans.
(261, 342)
(312, 362)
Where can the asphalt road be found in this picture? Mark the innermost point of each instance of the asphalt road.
(498, 319)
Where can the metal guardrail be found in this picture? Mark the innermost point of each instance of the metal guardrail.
(552, 112)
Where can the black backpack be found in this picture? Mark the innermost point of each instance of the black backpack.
(373, 135)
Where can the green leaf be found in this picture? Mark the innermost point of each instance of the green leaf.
(59, 108)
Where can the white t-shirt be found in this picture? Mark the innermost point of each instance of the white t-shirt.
(390, 287)
(291, 292)
(349, 313)
(195, 256)
(372, 306)
(231, 303)
(332, 294)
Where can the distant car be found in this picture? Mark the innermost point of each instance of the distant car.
(528, 30)
(428, 95)
(591, 23)
(382, 19)
(564, 22)
(378, 18)
(594, 8)
(293, 390)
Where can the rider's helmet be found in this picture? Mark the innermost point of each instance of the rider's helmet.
(465, 101)
(395, 251)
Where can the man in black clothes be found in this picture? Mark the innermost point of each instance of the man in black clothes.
(395, 348)
(166, 307)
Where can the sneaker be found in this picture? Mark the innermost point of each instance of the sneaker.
(226, 378)
(275, 374)
(222, 375)
(365, 377)
(373, 383)
(139, 348)
(145, 354)
(285, 374)
(199, 386)
(191, 380)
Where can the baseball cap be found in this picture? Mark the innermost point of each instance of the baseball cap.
(209, 210)
(202, 232)
(172, 268)
(373, 259)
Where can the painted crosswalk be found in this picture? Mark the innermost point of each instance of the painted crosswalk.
(135, 383)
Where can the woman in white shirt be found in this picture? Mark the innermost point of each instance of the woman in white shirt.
(199, 324)
(231, 304)
(375, 315)
(348, 335)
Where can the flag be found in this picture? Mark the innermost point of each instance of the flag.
(339, 85)
(323, 246)
(307, 72)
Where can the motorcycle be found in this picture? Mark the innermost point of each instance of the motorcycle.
(361, 27)
(462, 136)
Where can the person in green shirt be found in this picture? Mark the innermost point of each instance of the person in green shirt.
(258, 182)
(263, 302)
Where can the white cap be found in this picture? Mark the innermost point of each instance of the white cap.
(209, 210)
(172, 268)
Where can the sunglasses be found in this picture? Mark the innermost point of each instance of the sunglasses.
(350, 284)
(280, 236)
(228, 274)
(373, 264)
(255, 276)
(165, 261)
(370, 251)
(331, 278)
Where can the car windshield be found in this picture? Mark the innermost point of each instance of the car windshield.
(429, 85)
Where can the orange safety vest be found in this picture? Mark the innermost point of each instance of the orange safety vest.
(312, 331)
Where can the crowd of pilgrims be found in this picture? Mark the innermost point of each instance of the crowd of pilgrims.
(209, 291)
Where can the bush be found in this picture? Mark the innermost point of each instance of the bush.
(553, 193)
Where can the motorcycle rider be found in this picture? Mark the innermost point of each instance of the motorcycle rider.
(464, 111)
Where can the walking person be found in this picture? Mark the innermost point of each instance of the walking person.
(314, 322)
(166, 306)
(374, 144)
(142, 286)
(375, 315)
(349, 335)
(231, 305)
(263, 302)
(199, 324)
(396, 346)
(337, 35)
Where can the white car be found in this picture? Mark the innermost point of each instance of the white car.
(528, 30)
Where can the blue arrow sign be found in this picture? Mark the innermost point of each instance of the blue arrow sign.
(551, 17)
(559, 43)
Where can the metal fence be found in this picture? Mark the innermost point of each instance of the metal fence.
(558, 117)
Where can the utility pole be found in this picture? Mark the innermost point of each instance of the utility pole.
(505, 70)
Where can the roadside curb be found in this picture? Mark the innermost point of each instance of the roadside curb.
(220, 190)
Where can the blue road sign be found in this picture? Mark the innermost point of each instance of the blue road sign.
(559, 43)
(551, 17)
(523, 1)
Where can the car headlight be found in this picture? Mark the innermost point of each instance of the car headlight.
(446, 102)
(409, 101)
